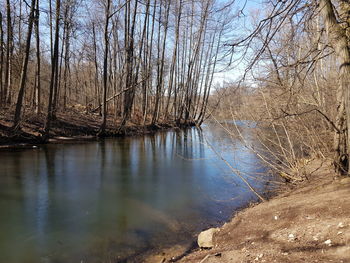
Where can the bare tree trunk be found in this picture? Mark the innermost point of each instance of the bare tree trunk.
(129, 48)
(56, 58)
(54, 65)
(1, 61)
(9, 54)
(97, 90)
(105, 68)
(114, 69)
(174, 58)
(209, 80)
(148, 68)
(37, 92)
(339, 41)
(59, 68)
(67, 25)
(22, 84)
(192, 62)
(142, 43)
(51, 30)
(160, 62)
(20, 45)
(128, 61)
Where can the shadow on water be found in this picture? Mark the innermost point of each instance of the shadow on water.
(109, 200)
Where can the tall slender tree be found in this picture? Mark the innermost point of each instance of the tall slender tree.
(37, 91)
(105, 66)
(23, 79)
(9, 54)
(54, 71)
(1, 60)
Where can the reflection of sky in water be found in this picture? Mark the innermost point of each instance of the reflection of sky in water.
(120, 196)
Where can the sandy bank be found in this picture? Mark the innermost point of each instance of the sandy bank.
(308, 223)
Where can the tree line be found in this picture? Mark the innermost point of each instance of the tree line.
(146, 60)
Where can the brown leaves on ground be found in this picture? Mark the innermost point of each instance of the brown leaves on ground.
(71, 124)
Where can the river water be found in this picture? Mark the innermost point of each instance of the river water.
(104, 201)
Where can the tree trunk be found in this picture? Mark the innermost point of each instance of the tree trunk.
(174, 58)
(339, 41)
(129, 48)
(148, 68)
(105, 69)
(1, 60)
(96, 82)
(66, 71)
(54, 65)
(37, 92)
(9, 53)
(22, 84)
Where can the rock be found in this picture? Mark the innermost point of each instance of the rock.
(291, 237)
(340, 225)
(328, 242)
(205, 238)
(259, 257)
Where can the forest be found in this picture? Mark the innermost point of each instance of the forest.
(145, 62)
(156, 63)
(251, 99)
(295, 83)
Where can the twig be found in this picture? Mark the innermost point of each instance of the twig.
(205, 258)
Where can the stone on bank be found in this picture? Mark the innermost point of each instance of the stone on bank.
(206, 238)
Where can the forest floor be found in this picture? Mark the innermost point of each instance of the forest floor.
(70, 125)
(307, 222)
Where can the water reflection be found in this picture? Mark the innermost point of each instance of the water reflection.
(117, 197)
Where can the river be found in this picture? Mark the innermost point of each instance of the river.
(103, 201)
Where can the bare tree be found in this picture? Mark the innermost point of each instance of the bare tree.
(54, 71)
(1, 60)
(37, 91)
(340, 42)
(105, 67)
(9, 54)
(146, 61)
(22, 85)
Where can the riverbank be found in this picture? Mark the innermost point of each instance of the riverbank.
(72, 126)
(306, 222)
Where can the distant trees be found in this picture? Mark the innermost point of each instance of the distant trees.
(298, 59)
(146, 61)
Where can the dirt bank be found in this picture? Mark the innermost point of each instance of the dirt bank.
(310, 222)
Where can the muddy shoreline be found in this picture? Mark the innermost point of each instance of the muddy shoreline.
(73, 127)
(307, 221)
(180, 251)
(67, 131)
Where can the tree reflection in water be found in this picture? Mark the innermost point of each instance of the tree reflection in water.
(119, 197)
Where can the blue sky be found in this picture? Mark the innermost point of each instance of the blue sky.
(242, 26)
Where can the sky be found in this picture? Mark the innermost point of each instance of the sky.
(237, 70)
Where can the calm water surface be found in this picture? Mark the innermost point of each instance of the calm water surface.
(107, 200)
